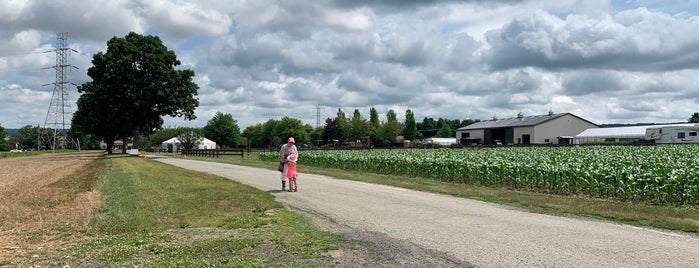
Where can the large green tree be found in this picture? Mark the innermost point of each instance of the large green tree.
(317, 134)
(190, 138)
(374, 125)
(391, 128)
(292, 127)
(133, 85)
(256, 137)
(359, 127)
(3, 142)
(274, 132)
(342, 131)
(28, 136)
(410, 129)
(330, 130)
(223, 129)
(445, 131)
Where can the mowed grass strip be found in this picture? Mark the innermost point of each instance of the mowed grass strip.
(683, 218)
(156, 215)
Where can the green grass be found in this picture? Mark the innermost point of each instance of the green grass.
(685, 218)
(157, 215)
(22, 154)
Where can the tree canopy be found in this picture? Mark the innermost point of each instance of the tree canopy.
(410, 129)
(3, 142)
(28, 136)
(359, 127)
(342, 129)
(190, 138)
(694, 118)
(133, 85)
(391, 128)
(223, 129)
(445, 131)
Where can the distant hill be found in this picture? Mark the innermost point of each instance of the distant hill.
(11, 131)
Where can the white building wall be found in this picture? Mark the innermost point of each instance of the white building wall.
(567, 125)
(520, 131)
(474, 134)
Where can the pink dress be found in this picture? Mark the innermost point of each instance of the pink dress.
(291, 171)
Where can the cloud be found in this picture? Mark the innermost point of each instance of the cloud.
(183, 19)
(635, 39)
(606, 61)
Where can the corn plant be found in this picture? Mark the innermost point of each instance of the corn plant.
(654, 174)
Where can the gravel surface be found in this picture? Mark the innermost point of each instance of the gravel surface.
(395, 227)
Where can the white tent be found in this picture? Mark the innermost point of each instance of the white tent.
(173, 145)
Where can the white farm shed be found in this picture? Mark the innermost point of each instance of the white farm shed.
(441, 141)
(616, 134)
(174, 145)
(538, 129)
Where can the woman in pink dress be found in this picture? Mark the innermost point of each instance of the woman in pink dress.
(291, 173)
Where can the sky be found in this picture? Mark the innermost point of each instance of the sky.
(605, 61)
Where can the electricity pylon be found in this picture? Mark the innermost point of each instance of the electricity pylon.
(59, 115)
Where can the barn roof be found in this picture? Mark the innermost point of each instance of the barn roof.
(524, 121)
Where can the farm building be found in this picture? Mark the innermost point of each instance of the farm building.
(173, 145)
(117, 146)
(618, 134)
(440, 141)
(551, 128)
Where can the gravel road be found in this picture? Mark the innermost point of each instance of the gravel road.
(395, 227)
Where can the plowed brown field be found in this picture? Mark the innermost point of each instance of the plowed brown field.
(44, 199)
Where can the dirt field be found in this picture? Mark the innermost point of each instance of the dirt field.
(43, 196)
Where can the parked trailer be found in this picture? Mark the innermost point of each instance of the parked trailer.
(673, 134)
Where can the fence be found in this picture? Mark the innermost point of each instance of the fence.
(214, 152)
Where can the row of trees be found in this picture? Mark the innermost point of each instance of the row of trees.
(358, 128)
(27, 137)
(223, 130)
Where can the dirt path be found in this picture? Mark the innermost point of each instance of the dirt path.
(397, 227)
(33, 198)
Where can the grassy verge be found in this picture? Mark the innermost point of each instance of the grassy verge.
(673, 218)
(157, 215)
(22, 154)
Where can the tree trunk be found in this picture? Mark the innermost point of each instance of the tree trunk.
(136, 138)
(110, 145)
(124, 143)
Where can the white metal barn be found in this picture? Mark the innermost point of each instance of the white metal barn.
(619, 134)
(174, 145)
(551, 128)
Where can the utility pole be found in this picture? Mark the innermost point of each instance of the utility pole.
(318, 109)
(58, 116)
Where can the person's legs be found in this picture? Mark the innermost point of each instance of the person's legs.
(292, 184)
(283, 178)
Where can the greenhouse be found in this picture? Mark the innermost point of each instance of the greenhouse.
(615, 134)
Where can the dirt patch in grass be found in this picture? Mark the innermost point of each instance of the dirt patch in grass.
(44, 199)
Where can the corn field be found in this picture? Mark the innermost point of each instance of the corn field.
(655, 174)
